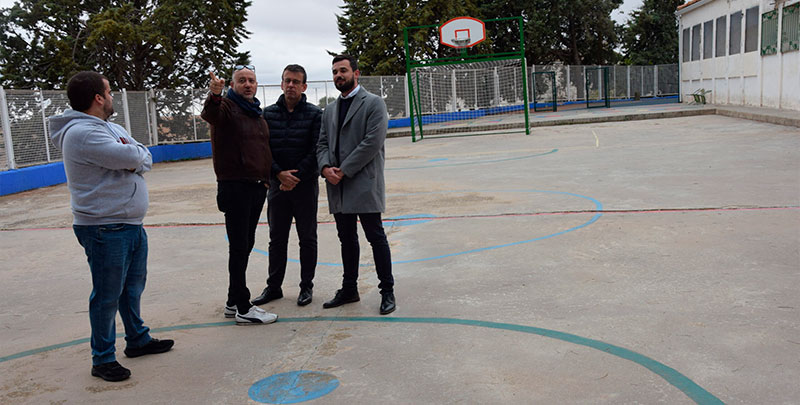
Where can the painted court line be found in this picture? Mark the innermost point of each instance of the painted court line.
(669, 374)
(474, 162)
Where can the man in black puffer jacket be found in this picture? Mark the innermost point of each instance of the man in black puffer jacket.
(294, 189)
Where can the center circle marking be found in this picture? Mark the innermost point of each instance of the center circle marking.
(292, 387)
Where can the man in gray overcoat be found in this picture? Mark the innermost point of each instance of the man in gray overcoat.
(350, 154)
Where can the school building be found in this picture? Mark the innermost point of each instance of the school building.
(741, 52)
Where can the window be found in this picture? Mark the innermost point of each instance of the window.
(790, 33)
(686, 45)
(769, 33)
(735, 45)
(708, 39)
(722, 27)
(696, 42)
(751, 30)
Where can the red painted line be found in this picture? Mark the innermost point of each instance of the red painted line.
(513, 214)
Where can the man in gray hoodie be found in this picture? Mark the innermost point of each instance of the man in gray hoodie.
(104, 167)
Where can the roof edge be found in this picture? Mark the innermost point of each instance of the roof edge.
(690, 5)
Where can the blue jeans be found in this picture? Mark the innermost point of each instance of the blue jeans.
(117, 256)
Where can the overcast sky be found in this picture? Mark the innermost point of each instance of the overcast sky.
(301, 31)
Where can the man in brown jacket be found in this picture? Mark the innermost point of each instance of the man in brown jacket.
(242, 160)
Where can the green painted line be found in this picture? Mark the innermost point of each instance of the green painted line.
(697, 393)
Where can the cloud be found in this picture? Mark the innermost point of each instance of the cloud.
(284, 32)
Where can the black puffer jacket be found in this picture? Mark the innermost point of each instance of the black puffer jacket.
(293, 139)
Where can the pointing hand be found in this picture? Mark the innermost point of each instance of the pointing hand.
(216, 85)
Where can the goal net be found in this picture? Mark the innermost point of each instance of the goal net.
(459, 98)
(473, 79)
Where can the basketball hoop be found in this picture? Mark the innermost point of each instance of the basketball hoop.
(461, 42)
(462, 32)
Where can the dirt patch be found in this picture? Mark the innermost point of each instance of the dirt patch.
(111, 387)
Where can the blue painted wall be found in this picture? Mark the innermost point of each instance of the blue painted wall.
(29, 178)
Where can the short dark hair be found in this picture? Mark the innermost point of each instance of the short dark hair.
(82, 87)
(295, 69)
(352, 60)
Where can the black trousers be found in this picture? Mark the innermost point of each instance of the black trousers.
(242, 204)
(299, 204)
(348, 236)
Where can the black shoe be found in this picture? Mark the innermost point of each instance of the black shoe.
(342, 297)
(387, 303)
(112, 371)
(305, 297)
(267, 295)
(154, 346)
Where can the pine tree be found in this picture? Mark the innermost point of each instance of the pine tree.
(578, 32)
(372, 30)
(651, 36)
(137, 44)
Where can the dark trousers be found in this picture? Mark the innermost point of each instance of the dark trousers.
(242, 204)
(299, 204)
(348, 236)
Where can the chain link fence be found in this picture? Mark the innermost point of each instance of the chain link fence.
(624, 82)
(157, 117)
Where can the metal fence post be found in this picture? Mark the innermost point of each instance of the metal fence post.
(405, 89)
(46, 139)
(628, 92)
(454, 104)
(126, 112)
(9, 143)
(613, 80)
(655, 80)
(194, 121)
(641, 94)
(151, 94)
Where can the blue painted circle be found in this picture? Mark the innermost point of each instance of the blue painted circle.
(292, 387)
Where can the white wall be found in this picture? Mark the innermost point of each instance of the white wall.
(743, 78)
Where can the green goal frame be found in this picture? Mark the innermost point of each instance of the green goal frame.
(415, 110)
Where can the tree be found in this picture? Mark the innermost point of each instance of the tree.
(570, 31)
(651, 37)
(137, 44)
(373, 30)
(577, 32)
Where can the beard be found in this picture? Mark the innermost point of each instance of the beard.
(108, 109)
(345, 85)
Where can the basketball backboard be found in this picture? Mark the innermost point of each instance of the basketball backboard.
(462, 32)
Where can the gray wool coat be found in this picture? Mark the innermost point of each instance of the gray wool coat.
(361, 154)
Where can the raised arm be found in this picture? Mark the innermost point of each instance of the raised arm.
(213, 113)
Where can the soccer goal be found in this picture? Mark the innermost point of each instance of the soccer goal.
(466, 83)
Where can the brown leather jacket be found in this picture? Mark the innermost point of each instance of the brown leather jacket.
(239, 142)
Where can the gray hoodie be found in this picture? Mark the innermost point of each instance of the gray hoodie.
(104, 167)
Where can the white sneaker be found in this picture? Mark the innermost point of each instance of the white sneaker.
(255, 316)
(229, 312)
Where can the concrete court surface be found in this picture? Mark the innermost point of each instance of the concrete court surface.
(640, 262)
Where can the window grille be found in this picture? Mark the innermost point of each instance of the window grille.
(696, 42)
(790, 31)
(769, 33)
